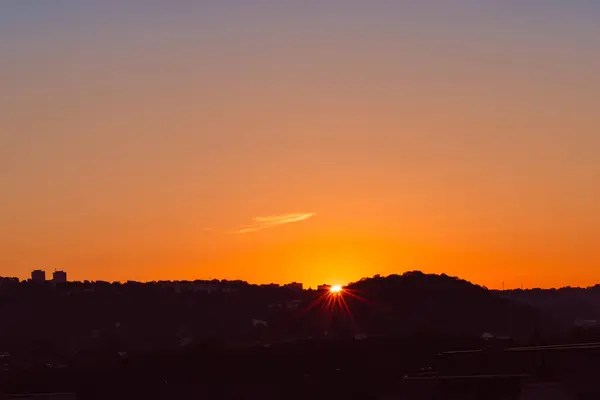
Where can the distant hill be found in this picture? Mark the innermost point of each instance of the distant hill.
(416, 301)
(95, 316)
(567, 304)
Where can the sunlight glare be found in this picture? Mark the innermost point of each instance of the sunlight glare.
(335, 289)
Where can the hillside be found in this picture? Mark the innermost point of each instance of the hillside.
(567, 304)
(75, 316)
(416, 301)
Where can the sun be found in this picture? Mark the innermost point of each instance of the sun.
(335, 289)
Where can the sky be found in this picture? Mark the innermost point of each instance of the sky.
(314, 141)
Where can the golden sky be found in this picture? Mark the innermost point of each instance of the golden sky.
(319, 142)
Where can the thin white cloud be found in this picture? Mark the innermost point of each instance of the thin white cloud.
(248, 229)
(273, 220)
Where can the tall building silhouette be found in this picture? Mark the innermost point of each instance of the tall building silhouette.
(38, 275)
(59, 277)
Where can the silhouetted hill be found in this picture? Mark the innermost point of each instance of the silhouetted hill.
(567, 304)
(170, 337)
(54, 322)
(416, 301)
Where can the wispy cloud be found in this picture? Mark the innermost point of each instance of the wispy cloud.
(272, 221)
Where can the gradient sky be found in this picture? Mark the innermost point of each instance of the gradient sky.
(319, 141)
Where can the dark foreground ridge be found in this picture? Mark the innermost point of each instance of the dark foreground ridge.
(234, 340)
(369, 369)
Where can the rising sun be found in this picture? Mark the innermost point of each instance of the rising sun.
(335, 289)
